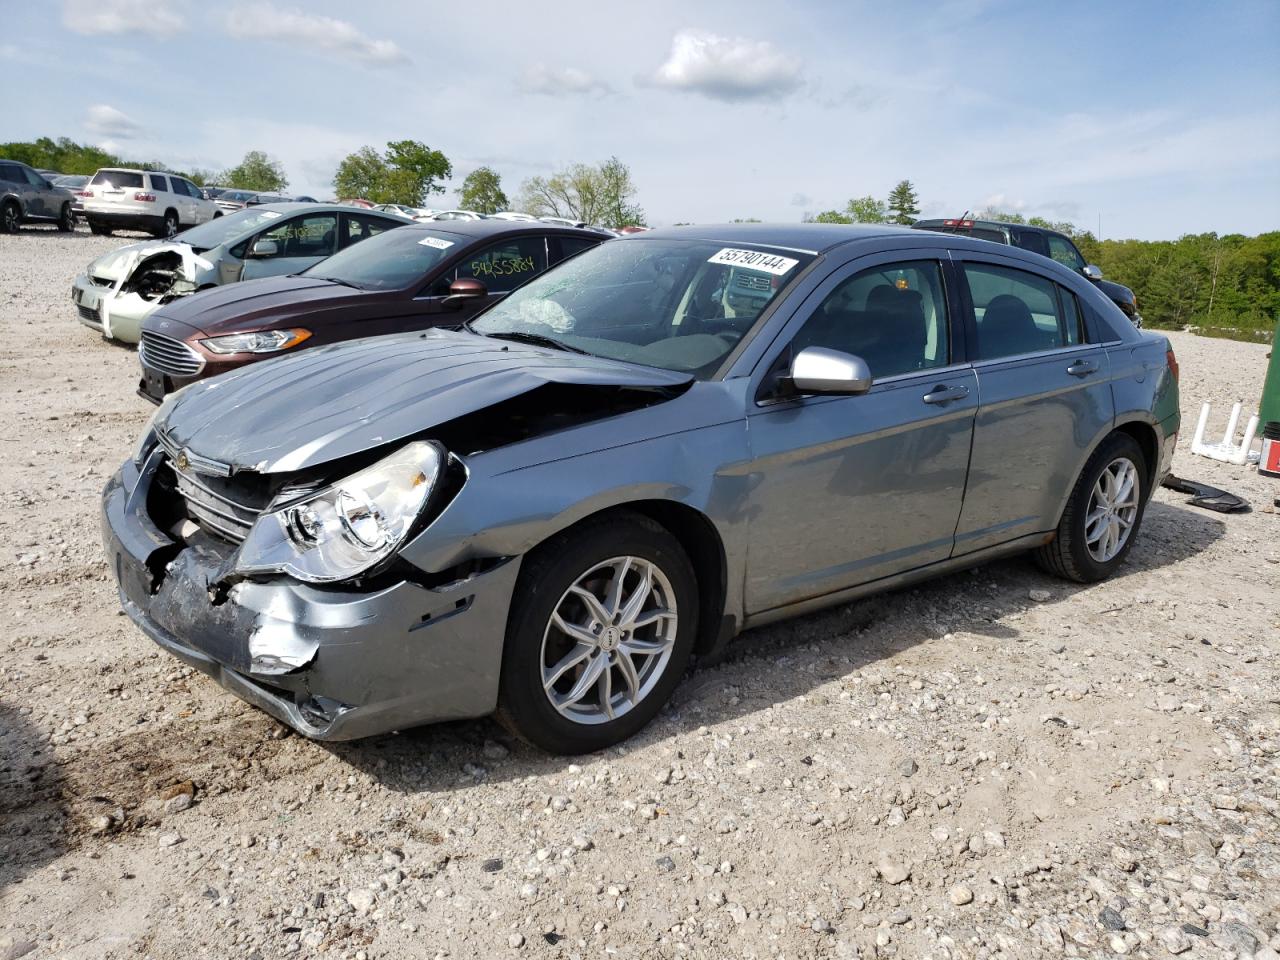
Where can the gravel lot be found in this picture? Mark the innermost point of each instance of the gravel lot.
(996, 764)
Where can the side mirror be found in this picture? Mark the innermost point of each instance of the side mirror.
(462, 290)
(1092, 272)
(819, 370)
(264, 248)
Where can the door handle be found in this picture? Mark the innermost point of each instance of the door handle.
(945, 394)
(1082, 368)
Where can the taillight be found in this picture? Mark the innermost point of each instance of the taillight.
(1172, 361)
(144, 197)
(957, 223)
(84, 193)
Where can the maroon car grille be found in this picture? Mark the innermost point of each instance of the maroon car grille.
(167, 355)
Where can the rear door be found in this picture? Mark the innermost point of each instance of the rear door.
(1046, 397)
(847, 490)
(39, 195)
(291, 246)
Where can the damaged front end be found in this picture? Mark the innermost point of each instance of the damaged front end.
(391, 649)
(118, 291)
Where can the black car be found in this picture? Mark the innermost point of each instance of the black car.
(427, 275)
(27, 197)
(1047, 243)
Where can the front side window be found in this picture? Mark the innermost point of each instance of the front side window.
(1065, 252)
(681, 305)
(894, 317)
(305, 236)
(503, 266)
(1016, 312)
(35, 179)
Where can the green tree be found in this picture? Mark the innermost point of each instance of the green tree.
(1002, 216)
(602, 194)
(903, 204)
(256, 171)
(868, 210)
(482, 191)
(830, 216)
(407, 173)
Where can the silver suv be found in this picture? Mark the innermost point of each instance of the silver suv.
(159, 203)
(27, 197)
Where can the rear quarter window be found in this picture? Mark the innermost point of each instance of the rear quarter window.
(159, 183)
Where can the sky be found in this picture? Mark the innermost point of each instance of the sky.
(1149, 119)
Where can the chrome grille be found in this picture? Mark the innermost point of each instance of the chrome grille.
(213, 510)
(168, 355)
(754, 281)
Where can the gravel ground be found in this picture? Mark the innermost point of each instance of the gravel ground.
(996, 764)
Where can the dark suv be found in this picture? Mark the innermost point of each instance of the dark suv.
(1047, 243)
(27, 197)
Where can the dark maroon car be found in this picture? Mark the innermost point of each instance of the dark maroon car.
(410, 278)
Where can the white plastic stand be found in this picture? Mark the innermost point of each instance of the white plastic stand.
(1228, 451)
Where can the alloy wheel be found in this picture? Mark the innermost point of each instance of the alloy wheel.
(609, 640)
(10, 221)
(1113, 509)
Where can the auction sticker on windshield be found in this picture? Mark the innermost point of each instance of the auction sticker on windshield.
(270, 214)
(435, 242)
(754, 260)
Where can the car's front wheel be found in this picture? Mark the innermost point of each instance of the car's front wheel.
(67, 219)
(601, 629)
(1103, 514)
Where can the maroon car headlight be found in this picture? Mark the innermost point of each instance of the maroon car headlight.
(260, 341)
(348, 527)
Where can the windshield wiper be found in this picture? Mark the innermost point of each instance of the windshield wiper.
(535, 339)
(344, 283)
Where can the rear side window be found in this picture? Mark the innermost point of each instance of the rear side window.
(505, 265)
(117, 178)
(159, 183)
(572, 245)
(894, 317)
(1017, 312)
(357, 228)
(1033, 241)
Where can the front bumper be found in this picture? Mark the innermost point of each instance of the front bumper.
(115, 315)
(333, 664)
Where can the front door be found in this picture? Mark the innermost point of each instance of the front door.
(298, 243)
(852, 489)
(1046, 397)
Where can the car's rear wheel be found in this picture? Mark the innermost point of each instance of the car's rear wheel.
(1103, 514)
(170, 225)
(67, 219)
(600, 632)
(10, 217)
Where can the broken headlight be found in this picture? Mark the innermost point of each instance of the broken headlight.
(349, 526)
(261, 341)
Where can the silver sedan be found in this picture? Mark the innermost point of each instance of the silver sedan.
(633, 457)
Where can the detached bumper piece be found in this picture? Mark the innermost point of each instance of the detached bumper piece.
(333, 664)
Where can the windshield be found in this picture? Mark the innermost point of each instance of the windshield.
(390, 260)
(682, 305)
(228, 228)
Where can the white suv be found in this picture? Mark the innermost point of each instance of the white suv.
(160, 203)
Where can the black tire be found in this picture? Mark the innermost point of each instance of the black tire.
(67, 219)
(170, 225)
(549, 571)
(99, 229)
(10, 217)
(1068, 555)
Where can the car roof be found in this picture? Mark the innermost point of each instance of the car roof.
(802, 237)
(927, 224)
(302, 206)
(489, 228)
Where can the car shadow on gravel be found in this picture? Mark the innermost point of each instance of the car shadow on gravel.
(33, 810)
(816, 648)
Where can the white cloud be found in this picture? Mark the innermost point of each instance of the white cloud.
(1004, 203)
(160, 18)
(728, 68)
(106, 121)
(259, 22)
(560, 81)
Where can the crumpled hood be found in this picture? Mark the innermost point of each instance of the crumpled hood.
(330, 402)
(119, 263)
